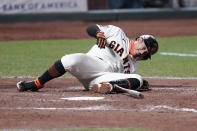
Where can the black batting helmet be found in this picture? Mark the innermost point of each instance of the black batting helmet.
(151, 44)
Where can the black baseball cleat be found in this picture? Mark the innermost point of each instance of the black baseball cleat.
(144, 87)
(26, 86)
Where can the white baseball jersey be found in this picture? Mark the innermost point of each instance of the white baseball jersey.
(116, 52)
(98, 65)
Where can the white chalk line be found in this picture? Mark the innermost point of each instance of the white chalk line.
(159, 107)
(101, 107)
(176, 89)
(148, 108)
(90, 108)
(178, 54)
(170, 77)
(74, 87)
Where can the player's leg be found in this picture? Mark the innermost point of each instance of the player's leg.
(84, 67)
(54, 71)
(105, 83)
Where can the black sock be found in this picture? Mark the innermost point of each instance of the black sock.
(45, 77)
(54, 71)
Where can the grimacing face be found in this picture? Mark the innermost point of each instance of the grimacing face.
(139, 48)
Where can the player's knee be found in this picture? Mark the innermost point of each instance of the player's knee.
(67, 61)
(64, 60)
(71, 60)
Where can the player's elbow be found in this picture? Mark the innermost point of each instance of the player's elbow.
(92, 30)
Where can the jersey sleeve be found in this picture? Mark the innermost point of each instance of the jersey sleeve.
(114, 33)
(109, 30)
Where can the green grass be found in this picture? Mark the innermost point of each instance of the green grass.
(32, 58)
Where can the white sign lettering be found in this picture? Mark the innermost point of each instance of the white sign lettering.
(42, 6)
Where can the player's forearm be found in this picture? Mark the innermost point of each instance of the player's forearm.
(92, 30)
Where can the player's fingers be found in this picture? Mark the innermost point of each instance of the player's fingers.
(99, 42)
(104, 43)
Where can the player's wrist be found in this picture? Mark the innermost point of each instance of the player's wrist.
(100, 34)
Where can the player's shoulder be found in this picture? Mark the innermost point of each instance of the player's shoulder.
(108, 26)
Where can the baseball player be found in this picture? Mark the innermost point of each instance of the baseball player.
(113, 60)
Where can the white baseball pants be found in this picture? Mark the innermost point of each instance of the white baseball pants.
(90, 70)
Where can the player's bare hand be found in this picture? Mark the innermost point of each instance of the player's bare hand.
(101, 40)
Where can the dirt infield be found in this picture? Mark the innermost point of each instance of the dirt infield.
(64, 30)
(170, 105)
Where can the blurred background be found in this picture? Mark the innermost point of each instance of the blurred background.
(128, 4)
(95, 10)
